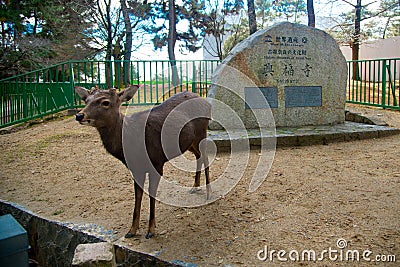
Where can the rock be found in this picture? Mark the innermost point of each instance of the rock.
(94, 255)
(296, 72)
(355, 117)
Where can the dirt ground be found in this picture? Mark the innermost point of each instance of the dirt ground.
(312, 198)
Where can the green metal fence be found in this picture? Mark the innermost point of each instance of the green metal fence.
(46, 91)
(374, 82)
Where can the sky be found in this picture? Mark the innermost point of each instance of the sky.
(322, 8)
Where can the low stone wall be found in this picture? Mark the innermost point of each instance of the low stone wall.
(53, 243)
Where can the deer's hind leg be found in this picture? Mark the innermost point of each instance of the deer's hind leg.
(199, 149)
(154, 180)
(206, 169)
(204, 160)
(196, 186)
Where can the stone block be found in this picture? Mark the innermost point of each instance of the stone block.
(299, 70)
(94, 255)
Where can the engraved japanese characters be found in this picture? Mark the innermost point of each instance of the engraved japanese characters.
(298, 70)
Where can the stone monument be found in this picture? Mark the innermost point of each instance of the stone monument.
(296, 71)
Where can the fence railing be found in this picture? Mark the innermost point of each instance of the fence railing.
(46, 91)
(374, 82)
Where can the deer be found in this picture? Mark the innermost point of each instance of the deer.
(102, 110)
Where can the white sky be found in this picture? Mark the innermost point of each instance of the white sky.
(322, 8)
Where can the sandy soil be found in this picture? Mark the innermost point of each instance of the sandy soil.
(312, 197)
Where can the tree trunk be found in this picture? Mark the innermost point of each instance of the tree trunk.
(118, 71)
(310, 13)
(252, 16)
(355, 48)
(128, 43)
(171, 41)
(108, 67)
(386, 27)
(3, 35)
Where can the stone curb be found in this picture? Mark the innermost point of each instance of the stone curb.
(53, 243)
(305, 136)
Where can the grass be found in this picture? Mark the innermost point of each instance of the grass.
(57, 212)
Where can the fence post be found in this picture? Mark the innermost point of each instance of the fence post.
(391, 88)
(71, 95)
(383, 83)
(194, 77)
(24, 99)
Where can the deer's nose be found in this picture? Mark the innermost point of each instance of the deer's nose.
(79, 116)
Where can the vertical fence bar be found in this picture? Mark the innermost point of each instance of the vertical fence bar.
(379, 99)
(150, 82)
(392, 102)
(25, 104)
(138, 71)
(71, 95)
(383, 102)
(156, 87)
(200, 73)
(206, 78)
(187, 77)
(398, 81)
(389, 82)
(349, 88)
(369, 82)
(143, 72)
(374, 82)
(194, 76)
(180, 76)
(163, 79)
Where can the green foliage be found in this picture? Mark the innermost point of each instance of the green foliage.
(37, 33)
(267, 12)
(196, 19)
(391, 16)
(240, 32)
(343, 32)
(289, 9)
(381, 23)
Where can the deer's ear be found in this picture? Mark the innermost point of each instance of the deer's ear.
(83, 93)
(128, 93)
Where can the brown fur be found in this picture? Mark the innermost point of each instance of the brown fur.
(102, 111)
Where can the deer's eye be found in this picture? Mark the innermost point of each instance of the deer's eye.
(105, 103)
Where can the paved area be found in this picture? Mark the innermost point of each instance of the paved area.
(307, 135)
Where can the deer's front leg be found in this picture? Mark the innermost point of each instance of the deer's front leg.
(136, 212)
(152, 220)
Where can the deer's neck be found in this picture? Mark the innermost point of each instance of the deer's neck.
(112, 138)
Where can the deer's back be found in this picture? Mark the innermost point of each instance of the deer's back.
(187, 103)
(168, 129)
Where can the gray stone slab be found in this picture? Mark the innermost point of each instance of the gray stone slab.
(305, 135)
(253, 100)
(303, 96)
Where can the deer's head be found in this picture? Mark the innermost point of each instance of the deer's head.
(102, 106)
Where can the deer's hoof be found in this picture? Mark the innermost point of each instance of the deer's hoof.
(194, 190)
(129, 235)
(149, 235)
